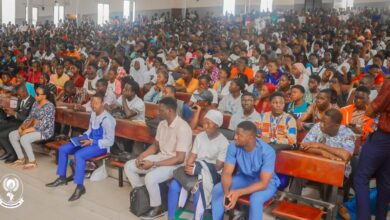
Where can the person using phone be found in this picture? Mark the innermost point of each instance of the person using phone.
(255, 176)
(101, 135)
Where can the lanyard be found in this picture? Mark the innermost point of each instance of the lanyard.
(274, 127)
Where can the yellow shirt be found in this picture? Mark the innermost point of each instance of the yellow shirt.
(191, 87)
(59, 82)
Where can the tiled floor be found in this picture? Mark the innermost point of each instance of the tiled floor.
(103, 200)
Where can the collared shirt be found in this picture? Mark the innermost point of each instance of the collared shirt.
(108, 125)
(80, 97)
(280, 130)
(345, 138)
(240, 117)
(137, 105)
(251, 164)
(46, 116)
(381, 105)
(176, 137)
(231, 105)
(93, 84)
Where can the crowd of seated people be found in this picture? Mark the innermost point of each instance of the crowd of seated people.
(275, 75)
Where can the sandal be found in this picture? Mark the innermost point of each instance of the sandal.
(30, 165)
(19, 162)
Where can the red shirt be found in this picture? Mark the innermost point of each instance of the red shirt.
(381, 105)
(379, 79)
(34, 78)
(79, 81)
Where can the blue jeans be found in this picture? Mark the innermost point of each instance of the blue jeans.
(81, 154)
(173, 198)
(257, 199)
(374, 159)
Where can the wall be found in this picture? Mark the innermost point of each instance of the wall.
(150, 7)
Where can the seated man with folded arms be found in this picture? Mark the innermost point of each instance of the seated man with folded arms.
(248, 112)
(109, 97)
(329, 139)
(173, 142)
(209, 149)
(277, 127)
(101, 135)
(255, 161)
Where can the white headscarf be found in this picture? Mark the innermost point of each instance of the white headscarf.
(139, 75)
(215, 116)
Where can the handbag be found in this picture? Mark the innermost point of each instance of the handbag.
(139, 201)
(187, 182)
(28, 124)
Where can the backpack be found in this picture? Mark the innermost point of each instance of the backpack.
(139, 201)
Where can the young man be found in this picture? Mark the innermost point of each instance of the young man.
(59, 78)
(132, 105)
(298, 105)
(182, 110)
(104, 64)
(315, 112)
(329, 139)
(92, 78)
(15, 119)
(72, 95)
(187, 83)
(248, 112)
(204, 84)
(109, 98)
(173, 142)
(100, 137)
(277, 127)
(354, 114)
(312, 92)
(255, 161)
(209, 149)
(231, 104)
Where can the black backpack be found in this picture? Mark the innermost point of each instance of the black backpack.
(139, 199)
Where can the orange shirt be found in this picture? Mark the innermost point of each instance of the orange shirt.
(75, 54)
(379, 79)
(247, 72)
(347, 112)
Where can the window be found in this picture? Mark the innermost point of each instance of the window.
(229, 6)
(349, 3)
(126, 9)
(34, 16)
(103, 13)
(8, 11)
(266, 5)
(27, 15)
(133, 19)
(58, 14)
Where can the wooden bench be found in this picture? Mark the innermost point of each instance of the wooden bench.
(185, 97)
(313, 168)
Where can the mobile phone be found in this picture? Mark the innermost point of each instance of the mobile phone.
(227, 201)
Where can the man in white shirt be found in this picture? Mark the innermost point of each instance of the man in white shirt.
(173, 142)
(91, 79)
(231, 104)
(132, 105)
(101, 89)
(248, 112)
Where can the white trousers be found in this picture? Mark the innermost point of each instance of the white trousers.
(24, 141)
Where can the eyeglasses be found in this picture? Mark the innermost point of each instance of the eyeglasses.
(39, 94)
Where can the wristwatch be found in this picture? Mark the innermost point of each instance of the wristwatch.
(154, 164)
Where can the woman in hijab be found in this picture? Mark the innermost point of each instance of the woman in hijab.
(138, 71)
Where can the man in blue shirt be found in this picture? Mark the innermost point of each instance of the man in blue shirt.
(255, 174)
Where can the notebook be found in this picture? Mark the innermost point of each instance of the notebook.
(76, 141)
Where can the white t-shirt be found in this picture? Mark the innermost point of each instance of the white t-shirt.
(240, 117)
(93, 82)
(210, 150)
(137, 105)
(230, 104)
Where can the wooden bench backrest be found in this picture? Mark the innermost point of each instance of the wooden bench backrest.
(310, 167)
(185, 97)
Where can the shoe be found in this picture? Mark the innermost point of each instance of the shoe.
(58, 182)
(77, 194)
(153, 213)
(10, 159)
(4, 156)
(343, 212)
(30, 165)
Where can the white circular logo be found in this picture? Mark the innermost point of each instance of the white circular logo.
(11, 191)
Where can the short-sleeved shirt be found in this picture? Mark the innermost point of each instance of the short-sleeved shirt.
(137, 105)
(93, 84)
(381, 105)
(345, 138)
(174, 137)
(191, 87)
(210, 150)
(280, 130)
(231, 105)
(109, 99)
(251, 164)
(59, 82)
(240, 117)
(297, 110)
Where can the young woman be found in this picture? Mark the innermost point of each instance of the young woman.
(222, 85)
(39, 125)
(284, 86)
(264, 105)
(113, 83)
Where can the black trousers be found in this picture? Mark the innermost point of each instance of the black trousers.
(5, 128)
